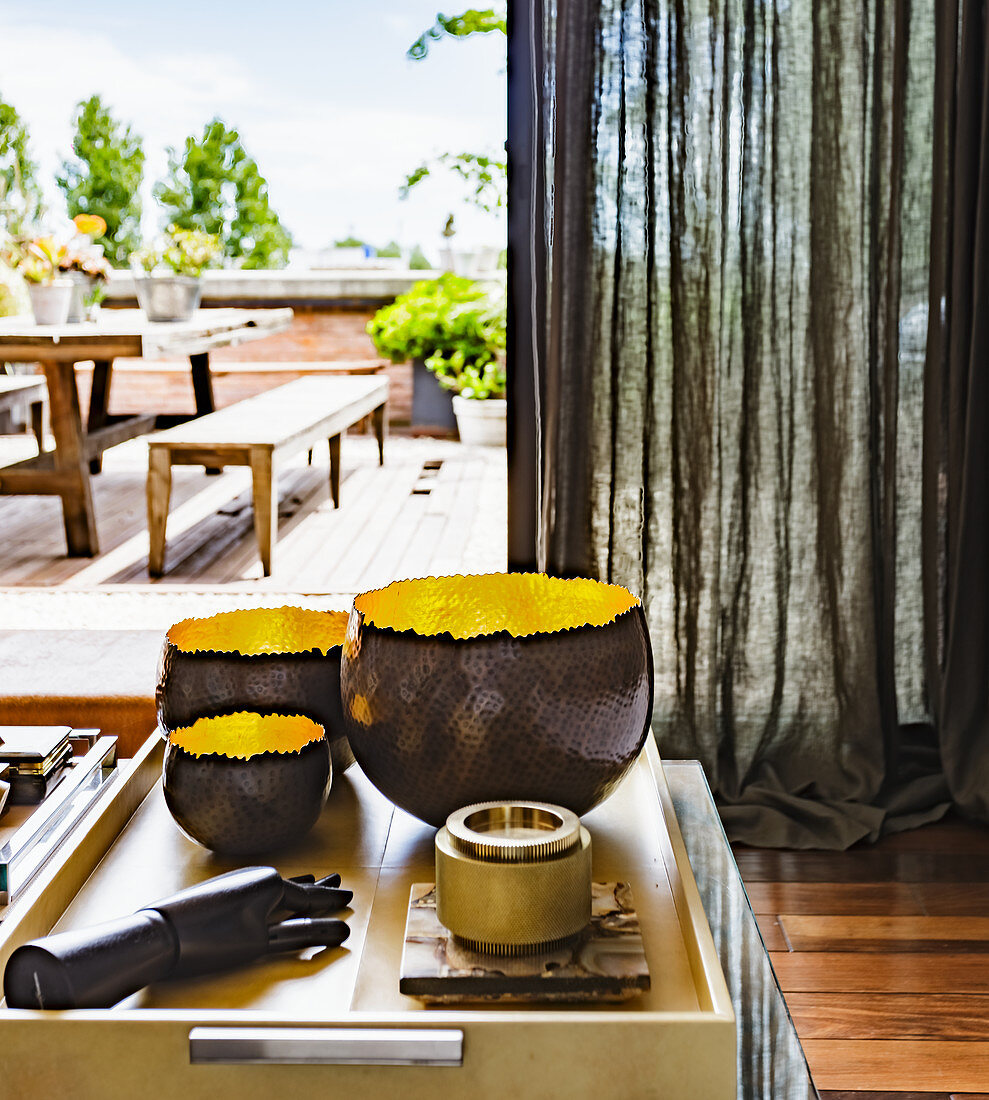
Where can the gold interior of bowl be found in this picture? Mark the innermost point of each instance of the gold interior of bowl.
(257, 630)
(520, 603)
(243, 735)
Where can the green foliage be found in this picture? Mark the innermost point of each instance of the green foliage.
(485, 176)
(472, 21)
(186, 252)
(392, 250)
(20, 195)
(216, 187)
(349, 242)
(418, 260)
(105, 177)
(455, 325)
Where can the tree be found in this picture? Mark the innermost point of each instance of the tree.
(215, 186)
(105, 177)
(486, 175)
(473, 21)
(20, 195)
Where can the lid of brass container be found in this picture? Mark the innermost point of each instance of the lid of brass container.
(513, 877)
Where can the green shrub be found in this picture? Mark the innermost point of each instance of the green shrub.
(456, 326)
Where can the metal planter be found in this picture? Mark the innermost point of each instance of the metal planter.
(168, 298)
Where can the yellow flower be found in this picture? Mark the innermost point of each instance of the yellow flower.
(89, 225)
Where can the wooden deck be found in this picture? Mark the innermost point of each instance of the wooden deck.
(434, 507)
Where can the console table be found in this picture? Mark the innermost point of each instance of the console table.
(771, 1062)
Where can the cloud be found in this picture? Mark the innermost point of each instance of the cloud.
(334, 146)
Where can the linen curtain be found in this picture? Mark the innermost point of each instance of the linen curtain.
(736, 201)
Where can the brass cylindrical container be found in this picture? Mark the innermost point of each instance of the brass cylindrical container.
(513, 877)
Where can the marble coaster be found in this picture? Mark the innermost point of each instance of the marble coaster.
(605, 962)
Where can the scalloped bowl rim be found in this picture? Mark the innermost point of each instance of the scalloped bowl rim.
(187, 623)
(634, 604)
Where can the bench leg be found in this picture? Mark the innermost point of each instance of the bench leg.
(159, 493)
(380, 427)
(335, 470)
(265, 504)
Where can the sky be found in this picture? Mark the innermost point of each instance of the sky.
(321, 91)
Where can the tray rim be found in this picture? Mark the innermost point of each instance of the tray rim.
(53, 890)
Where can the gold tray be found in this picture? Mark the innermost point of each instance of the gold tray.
(335, 1019)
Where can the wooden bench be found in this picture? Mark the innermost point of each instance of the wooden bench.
(253, 433)
(17, 390)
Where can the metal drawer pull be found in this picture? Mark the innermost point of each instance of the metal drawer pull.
(327, 1046)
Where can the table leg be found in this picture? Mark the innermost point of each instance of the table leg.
(38, 424)
(159, 494)
(70, 461)
(265, 504)
(380, 430)
(335, 469)
(99, 404)
(202, 388)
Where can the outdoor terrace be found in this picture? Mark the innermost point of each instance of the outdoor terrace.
(435, 506)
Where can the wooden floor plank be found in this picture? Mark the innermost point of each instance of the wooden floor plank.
(881, 933)
(958, 899)
(855, 972)
(771, 865)
(900, 1016)
(856, 1095)
(849, 898)
(891, 1066)
(772, 934)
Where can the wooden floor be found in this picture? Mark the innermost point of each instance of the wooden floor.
(435, 507)
(883, 956)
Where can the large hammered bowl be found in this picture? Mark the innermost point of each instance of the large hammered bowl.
(506, 686)
(243, 784)
(272, 660)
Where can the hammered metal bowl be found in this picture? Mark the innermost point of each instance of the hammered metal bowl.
(246, 783)
(506, 686)
(282, 660)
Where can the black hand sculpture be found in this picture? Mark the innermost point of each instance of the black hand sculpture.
(221, 923)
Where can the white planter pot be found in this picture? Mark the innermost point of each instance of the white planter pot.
(168, 297)
(50, 302)
(482, 423)
(80, 289)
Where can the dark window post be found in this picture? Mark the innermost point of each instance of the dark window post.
(526, 278)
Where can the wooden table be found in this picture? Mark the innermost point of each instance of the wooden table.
(65, 472)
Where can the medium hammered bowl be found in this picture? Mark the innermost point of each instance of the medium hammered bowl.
(506, 686)
(281, 660)
(242, 784)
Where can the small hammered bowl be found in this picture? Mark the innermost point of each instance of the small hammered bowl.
(281, 660)
(242, 784)
(511, 686)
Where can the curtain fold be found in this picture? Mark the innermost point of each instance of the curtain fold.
(956, 458)
(739, 206)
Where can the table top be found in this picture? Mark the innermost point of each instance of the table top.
(770, 1059)
(128, 332)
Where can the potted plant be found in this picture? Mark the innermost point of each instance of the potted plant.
(83, 262)
(454, 328)
(170, 287)
(39, 261)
